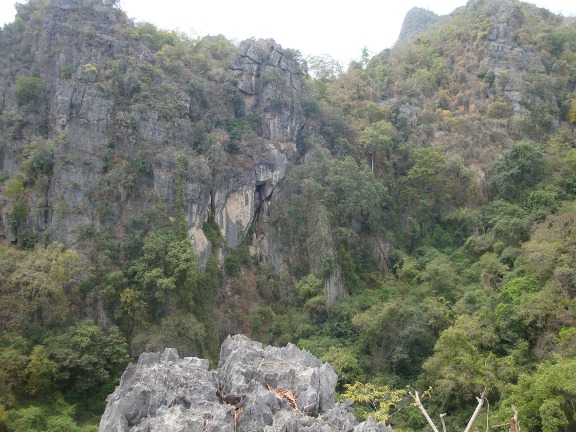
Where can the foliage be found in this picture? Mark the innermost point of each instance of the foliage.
(42, 288)
(440, 200)
(459, 366)
(518, 169)
(372, 400)
(546, 397)
(166, 274)
(40, 372)
(309, 287)
(28, 89)
(213, 233)
(38, 158)
(397, 336)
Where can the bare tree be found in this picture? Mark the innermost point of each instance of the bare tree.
(480, 400)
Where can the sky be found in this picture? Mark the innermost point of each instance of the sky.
(315, 27)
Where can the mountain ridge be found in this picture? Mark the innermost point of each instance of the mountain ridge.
(161, 190)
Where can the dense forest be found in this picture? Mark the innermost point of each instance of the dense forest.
(410, 219)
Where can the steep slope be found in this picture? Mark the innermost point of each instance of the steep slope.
(414, 210)
(129, 119)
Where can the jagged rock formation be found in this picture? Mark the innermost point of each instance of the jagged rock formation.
(254, 389)
(416, 21)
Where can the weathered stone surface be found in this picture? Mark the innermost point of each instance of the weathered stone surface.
(247, 393)
(271, 85)
(95, 133)
(416, 21)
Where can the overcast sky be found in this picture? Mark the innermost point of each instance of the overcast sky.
(339, 29)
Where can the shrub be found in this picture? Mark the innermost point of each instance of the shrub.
(308, 288)
(232, 265)
(66, 72)
(28, 89)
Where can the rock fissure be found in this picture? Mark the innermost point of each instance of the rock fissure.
(246, 56)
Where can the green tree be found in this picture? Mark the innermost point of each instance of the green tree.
(308, 287)
(425, 176)
(353, 194)
(377, 141)
(28, 89)
(12, 365)
(166, 274)
(345, 363)
(40, 372)
(519, 168)
(38, 158)
(89, 359)
(547, 397)
(397, 336)
(461, 364)
(44, 286)
(572, 114)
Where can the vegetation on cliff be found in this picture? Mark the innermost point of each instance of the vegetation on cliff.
(434, 185)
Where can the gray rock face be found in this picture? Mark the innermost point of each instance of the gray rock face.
(254, 389)
(271, 84)
(416, 21)
(114, 157)
(509, 62)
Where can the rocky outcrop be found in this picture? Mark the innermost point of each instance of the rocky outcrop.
(271, 84)
(416, 21)
(509, 62)
(254, 389)
(122, 148)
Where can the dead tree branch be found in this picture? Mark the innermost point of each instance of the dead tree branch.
(423, 410)
(442, 417)
(477, 410)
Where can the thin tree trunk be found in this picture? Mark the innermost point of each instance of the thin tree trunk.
(514, 421)
(442, 417)
(423, 410)
(477, 411)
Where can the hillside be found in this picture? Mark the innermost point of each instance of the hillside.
(409, 220)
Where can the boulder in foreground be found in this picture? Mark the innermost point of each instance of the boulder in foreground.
(254, 389)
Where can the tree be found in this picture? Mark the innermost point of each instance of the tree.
(397, 336)
(352, 193)
(546, 399)
(28, 89)
(372, 400)
(166, 274)
(40, 372)
(44, 287)
(572, 115)
(377, 139)
(345, 363)
(519, 168)
(88, 358)
(425, 176)
(461, 364)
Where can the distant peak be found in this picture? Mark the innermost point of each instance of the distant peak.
(416, 21)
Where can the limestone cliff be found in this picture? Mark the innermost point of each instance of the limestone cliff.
(127, 133)
(254, 389)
